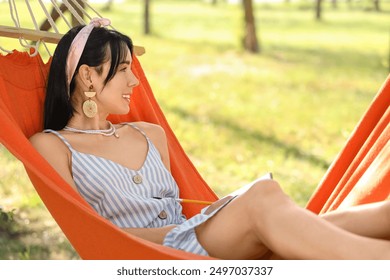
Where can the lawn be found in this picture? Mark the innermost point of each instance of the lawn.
(238, 115)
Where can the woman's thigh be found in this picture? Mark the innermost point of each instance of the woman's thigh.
(229, 234)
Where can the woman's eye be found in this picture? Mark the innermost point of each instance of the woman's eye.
(124, 69)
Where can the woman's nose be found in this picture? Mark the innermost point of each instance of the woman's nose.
(133, 82)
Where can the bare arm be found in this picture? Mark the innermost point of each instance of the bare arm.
(56, 153)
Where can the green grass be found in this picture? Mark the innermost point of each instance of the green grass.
(32, 233)
(288, 110)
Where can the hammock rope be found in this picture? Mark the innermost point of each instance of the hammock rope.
(74, 12)
(36, 36)
(48, 16)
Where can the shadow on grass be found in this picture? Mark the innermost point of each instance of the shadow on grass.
(199, 45)
(256, 136)
(341, 59)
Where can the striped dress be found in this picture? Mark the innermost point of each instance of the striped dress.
(143, 198)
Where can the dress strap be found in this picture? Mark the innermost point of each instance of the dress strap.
(63, 139)
(137, 128)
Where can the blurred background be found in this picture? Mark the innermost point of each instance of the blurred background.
(248, 86)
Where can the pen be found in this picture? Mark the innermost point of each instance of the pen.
(184, 200)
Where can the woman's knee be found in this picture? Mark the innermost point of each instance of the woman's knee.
(265, 194)
(265, 189)
(264, 200)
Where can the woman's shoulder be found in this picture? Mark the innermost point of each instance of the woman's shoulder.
(158, 137)
(40, 137)
(150, 129)
(46, 141)
(55, 152)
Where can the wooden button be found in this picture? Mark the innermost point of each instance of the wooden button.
(137, 179)
(163, 215)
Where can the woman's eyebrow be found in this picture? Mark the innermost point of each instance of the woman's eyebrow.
(126, 62)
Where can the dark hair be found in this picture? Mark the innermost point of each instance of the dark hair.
(58, 108)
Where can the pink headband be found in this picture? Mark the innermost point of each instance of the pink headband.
(78, 45)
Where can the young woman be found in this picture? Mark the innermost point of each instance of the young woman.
(123, 170)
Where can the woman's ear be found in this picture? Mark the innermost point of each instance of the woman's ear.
(85, 75)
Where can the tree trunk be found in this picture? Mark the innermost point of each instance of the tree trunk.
(334, 4)
(349, 2)
(250, 38)
(376, 5)
(147, 17)
(45, 26)
(318, 9)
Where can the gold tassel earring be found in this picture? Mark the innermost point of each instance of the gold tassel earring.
(90, 106)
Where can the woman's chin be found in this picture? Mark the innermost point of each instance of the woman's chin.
(122, 111)
(126, 111)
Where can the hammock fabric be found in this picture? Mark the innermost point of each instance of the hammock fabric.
(359, 175)
(361, 172)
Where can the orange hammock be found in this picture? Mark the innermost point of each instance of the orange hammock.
(360, 174)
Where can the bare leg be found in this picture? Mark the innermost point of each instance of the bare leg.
(356, 219)
(264, 217)
(228, 235)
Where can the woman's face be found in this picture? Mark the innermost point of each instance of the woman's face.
(114, 97)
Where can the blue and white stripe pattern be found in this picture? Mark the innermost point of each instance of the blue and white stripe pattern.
(109, 188)
(183, 237)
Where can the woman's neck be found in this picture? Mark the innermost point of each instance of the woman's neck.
(82, 122)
